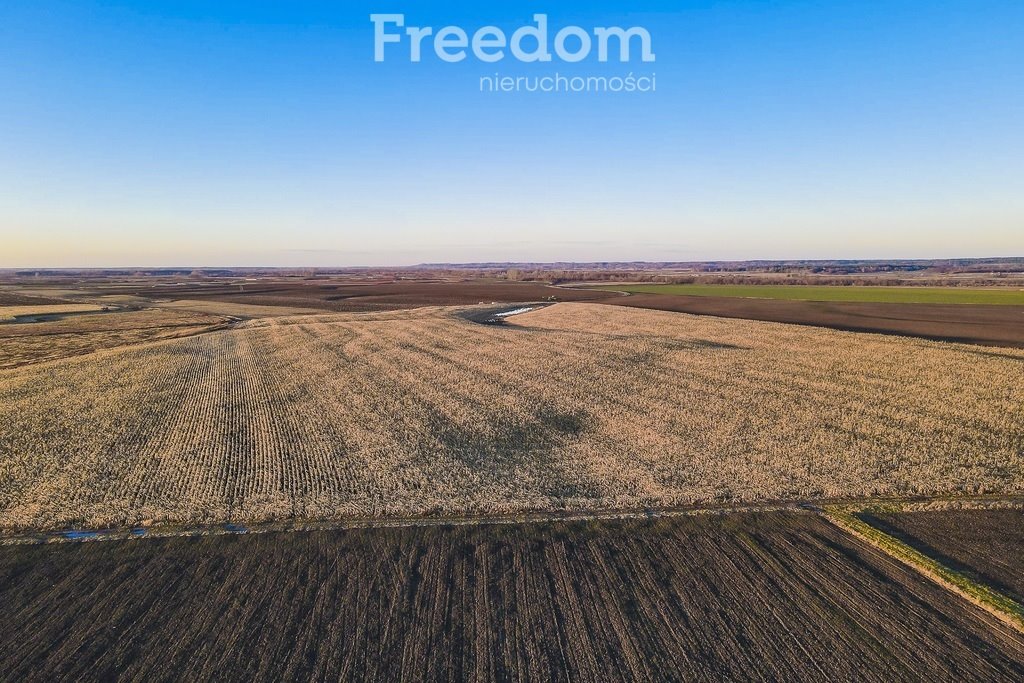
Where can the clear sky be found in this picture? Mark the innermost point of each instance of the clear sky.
(263, 133)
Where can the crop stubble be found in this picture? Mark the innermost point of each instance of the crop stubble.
(23, 344)
(575, 406)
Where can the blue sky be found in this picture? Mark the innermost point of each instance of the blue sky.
(263, 133)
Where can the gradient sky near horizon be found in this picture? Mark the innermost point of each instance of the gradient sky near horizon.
(160, 133)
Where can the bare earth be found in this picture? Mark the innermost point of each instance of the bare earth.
(964, 323)
(574, 406)
(985, 544)
(768, 597)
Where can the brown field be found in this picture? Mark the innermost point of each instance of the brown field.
(756, 597)
(348, 296)
(985, 544)
(9, 298)
(965, 323)
(574, 406)
(13, 313)
(232, 309)
(27, 343)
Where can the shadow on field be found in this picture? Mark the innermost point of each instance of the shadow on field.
(515, 443)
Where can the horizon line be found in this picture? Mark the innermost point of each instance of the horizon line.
(513, 264)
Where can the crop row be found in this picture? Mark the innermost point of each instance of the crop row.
(575, 406)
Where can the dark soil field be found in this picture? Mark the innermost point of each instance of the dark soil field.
(14, 299)
(354, 297)
(773, 596)
(987, 544)
(967, 323)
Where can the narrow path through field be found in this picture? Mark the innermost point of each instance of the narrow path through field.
(13, 537)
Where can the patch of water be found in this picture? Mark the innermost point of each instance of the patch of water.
(515, 311)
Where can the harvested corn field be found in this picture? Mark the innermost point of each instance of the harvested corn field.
(14, 313)
(26, 343)
(740, 597)
(574, 406)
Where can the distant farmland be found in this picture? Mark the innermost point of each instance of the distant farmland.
(709, 598)
(861, 293)
(574, 406)
(489, 490)
(25, 343)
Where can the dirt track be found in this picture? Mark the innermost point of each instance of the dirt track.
(972, 324)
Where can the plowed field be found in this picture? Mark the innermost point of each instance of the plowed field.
(769, 597)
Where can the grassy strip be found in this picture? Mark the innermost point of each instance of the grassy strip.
(1003, 607)
(860, 293)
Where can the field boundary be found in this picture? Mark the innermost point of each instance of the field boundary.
(1006, 609)
(303, 525)
(822, 508)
